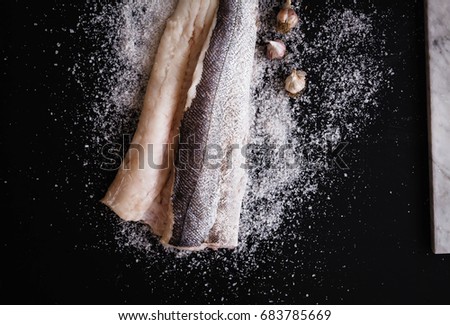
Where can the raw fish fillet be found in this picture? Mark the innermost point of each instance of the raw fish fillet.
(187, 181)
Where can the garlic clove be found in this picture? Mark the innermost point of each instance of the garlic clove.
(287, 19)
(296, 82)
(276, 49)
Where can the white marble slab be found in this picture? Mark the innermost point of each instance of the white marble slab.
(439, 99)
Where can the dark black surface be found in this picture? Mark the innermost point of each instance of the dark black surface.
(50, 252)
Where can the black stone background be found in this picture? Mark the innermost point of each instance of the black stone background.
(50, 253)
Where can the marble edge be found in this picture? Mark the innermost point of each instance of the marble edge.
(437, 232)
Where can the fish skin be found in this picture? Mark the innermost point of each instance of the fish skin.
(207, 198)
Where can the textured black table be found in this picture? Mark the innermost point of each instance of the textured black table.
(52, 252)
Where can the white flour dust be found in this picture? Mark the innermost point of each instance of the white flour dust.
(338, 49)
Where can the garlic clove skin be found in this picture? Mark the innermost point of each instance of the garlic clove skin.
(287, 19)
(296, 82)
(276, 50)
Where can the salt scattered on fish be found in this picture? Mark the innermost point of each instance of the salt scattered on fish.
(345, 78)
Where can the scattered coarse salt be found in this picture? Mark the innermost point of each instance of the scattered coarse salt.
(340, 101)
